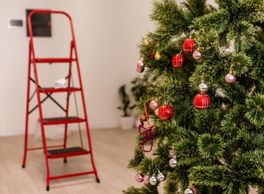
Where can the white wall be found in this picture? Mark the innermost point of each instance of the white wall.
(107, 36)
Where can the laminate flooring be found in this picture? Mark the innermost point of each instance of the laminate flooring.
(113, 148)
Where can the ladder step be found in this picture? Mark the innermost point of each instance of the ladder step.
(58, 90)
(66, 152)
(62, 120)
(53, 60)
(71, 175)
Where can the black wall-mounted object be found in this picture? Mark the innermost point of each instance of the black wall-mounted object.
(41, 24)
(15, 23)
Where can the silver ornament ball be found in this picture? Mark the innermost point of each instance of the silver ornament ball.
(173, 163)
(197, 55)
(230, 78)
(189, 191)
(203, 87)
(160, 177)
(153, 180)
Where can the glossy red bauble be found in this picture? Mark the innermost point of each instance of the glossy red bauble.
(178, 60)
(165, 112)
(202, 101)
(189, 45)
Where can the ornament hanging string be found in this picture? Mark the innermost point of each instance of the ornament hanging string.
(147, 114)
(147, 133)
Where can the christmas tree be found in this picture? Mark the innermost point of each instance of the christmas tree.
(202, 125)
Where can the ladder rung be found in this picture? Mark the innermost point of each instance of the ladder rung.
(66, 152)
(62, 120)
(53, 60)
(71, 175)
(58, 90)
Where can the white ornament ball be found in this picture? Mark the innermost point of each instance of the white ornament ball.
(197, 55)
(188, 191)
(153, 180)
(173, 163)
(230, 78)
(160, 177)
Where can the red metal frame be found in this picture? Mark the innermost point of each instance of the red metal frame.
(33, 60)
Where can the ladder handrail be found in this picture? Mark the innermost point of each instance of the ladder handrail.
(46, 11)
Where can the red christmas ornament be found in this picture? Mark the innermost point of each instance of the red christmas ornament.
(178, 60)
(189, 45)
(202, 101)
(165, 112)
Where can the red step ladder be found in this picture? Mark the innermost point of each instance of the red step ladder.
(57, 151)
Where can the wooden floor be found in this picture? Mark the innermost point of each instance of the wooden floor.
(112, 149)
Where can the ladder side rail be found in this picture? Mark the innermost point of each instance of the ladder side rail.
(27, 108)
(83, 102)
(39, 100)
(68, 99)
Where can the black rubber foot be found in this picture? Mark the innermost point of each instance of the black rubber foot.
(23, 166)
(47, 188)
(97, 180)
(65, 161)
